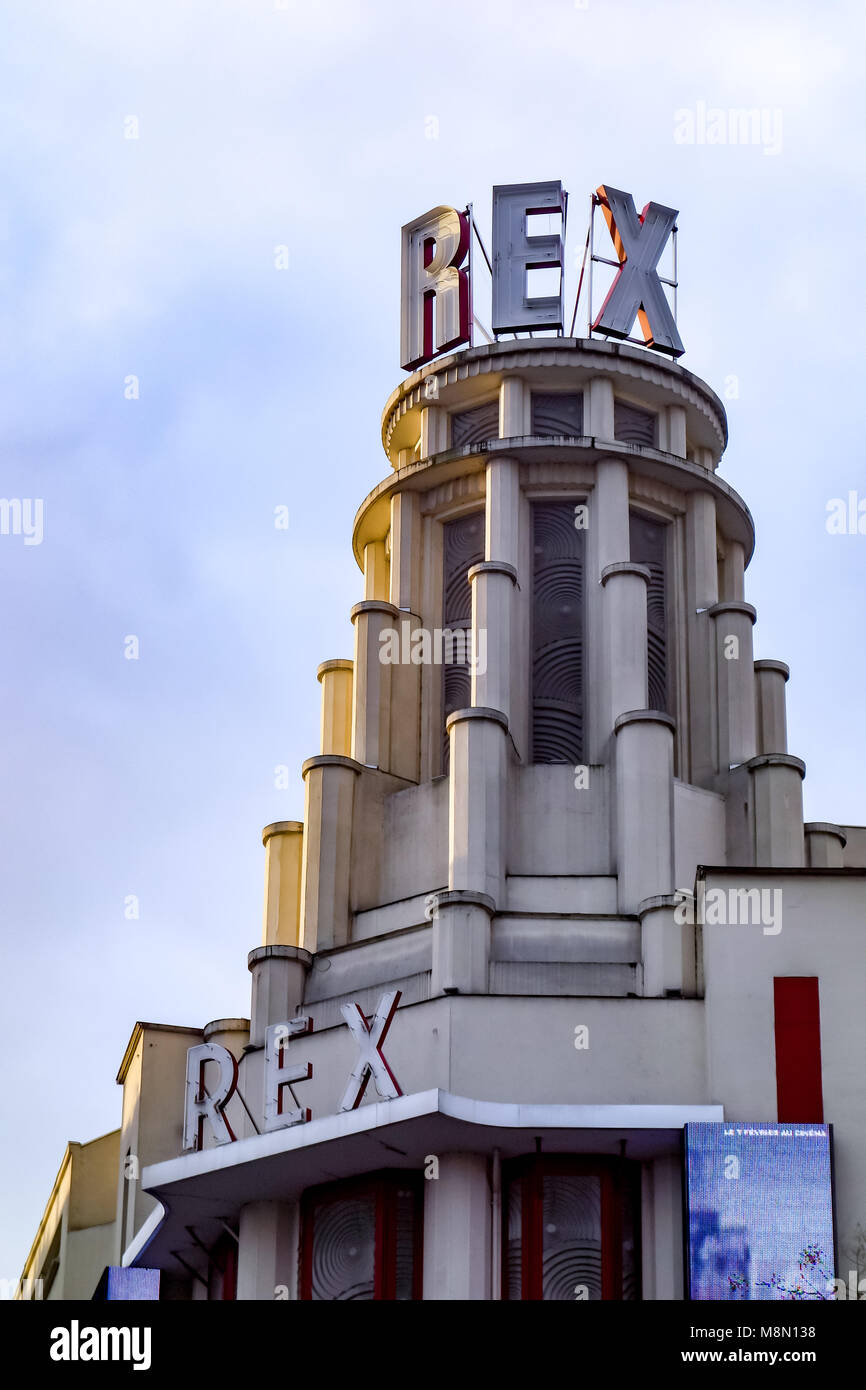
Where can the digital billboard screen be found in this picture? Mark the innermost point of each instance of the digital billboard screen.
(759, 1201)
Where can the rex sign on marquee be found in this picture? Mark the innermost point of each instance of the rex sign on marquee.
(206, 1105)
(436, 299)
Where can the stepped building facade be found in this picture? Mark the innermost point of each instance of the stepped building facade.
(552, 900)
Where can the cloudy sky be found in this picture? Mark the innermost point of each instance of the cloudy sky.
(153, 157)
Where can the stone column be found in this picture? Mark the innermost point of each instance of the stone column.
(777, 802)
(771, 713)
(702, 593)
(372, 695)
(284, 847)
(735, 683)
(624, 611)
(825, 845)
(457, 1230)
(668, 948)
(477, 830)
(279, 975)
(377, 571)
(336, 681)
(608, 546)
(268, 1241)
(403, 751)
(644, 807)
(329, 785)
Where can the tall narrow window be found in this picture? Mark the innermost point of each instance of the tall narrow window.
(463, 548)
(557, 634)
(648, 546)
(570, 1230)
(362, 1240)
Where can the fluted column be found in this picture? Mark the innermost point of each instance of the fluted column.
(735, 683)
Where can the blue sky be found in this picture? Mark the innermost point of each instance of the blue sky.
(308, 127)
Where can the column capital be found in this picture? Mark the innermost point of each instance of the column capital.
(374, 605)
(734, 606)
(767, 664)
(458, 716)
(279, 953)
(492, 567)
(330, 760)
(282, 827)
(777, 760)
(645, 716)
(625, 567)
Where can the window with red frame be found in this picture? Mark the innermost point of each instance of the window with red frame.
(361, 1239)
(570, 1229)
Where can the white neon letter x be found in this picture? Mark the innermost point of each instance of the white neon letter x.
(370, 1037)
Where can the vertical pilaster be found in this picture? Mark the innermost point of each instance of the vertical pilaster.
(825, 845)
(735, 683)
(329, 784)
(457, 1230)
(374, 623)
(777, 801)
(644, 807)
(624, 613)
(702, 592)
(336, 680)
(283, 841)
(771, 712)
(268, 1240)
(377, 571)
(608, 545)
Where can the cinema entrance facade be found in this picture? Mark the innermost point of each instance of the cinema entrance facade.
(545, 915)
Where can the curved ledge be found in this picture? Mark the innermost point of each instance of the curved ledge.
(492, 567)
(661, 900)
(825, 827)
(645, 716)
(330, 760)
(776, 760)
(625, 567)
(279, 953)
(735, 606)
(767, 664)
(455, 897)
(282, 827)
(373, 605)
(373, 516)
(339, 663)
(225, 1025)
(457, 716)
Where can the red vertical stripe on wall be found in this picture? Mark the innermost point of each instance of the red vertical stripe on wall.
(799, 1094)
